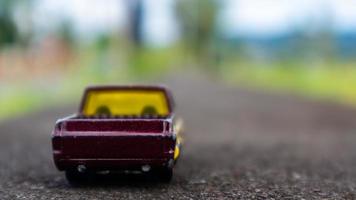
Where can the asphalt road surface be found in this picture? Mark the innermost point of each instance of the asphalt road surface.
(239, 144)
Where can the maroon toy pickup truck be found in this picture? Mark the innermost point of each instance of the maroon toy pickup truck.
(119, 128)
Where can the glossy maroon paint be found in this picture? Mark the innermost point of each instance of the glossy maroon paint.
(114, 143)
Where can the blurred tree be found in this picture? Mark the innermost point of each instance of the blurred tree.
(102, 64)
(66, 32)
(315, 40)
(103, 42)
(8, 33)
(197, 23)
(23, 14)
(135, 16)
(12, 29)
(325, 42)
(134, 41)
(8, 29)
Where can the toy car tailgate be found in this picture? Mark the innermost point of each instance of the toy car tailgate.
(115, 138)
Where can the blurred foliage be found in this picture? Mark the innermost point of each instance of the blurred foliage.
(334, 81)
(8, 33)
(8, 29)
(101, 62)
(66, 33)
(155, 62)
(103, 42)
(197, 20)
(135, 22)
(302, 62)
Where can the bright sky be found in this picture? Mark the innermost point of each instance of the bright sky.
(88, 16)
(270, 17)
(246, 17)
(160, 26)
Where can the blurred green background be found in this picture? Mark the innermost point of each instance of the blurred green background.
(50, 50)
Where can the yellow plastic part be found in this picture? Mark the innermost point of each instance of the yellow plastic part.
(178, 129)
(176, 152)
(126, 102)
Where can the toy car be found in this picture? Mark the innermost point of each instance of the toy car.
(119, 128)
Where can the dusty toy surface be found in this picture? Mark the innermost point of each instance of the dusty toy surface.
(119, 128)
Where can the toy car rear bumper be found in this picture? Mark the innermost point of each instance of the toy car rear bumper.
(112, 164)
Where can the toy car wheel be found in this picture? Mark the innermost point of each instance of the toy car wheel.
(165, 174)
(75, 178)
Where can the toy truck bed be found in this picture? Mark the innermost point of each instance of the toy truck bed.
(113, 143)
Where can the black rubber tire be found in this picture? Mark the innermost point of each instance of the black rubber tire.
(165, 174)
(75, 178)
